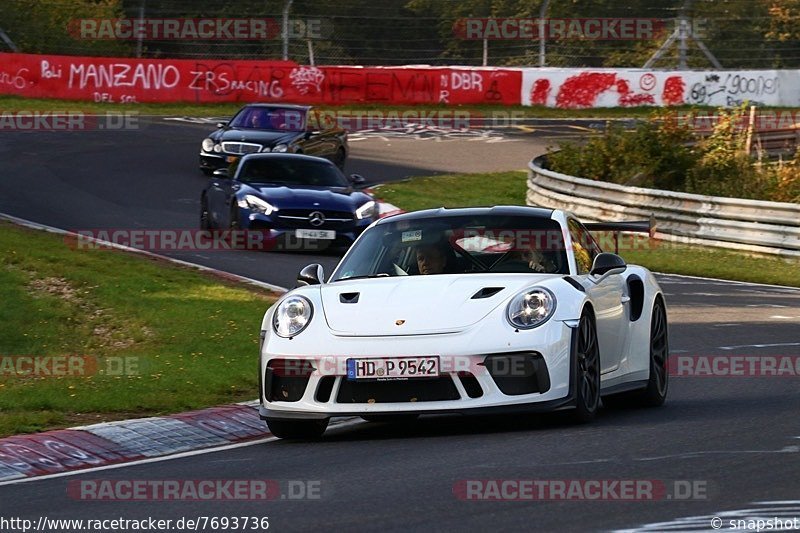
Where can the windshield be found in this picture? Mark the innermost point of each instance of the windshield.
(457, 245)
(290, 170)
(270, 118)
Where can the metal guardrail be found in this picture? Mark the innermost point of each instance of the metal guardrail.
(759, 226)
(774, 143)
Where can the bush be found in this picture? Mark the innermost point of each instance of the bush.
(657, 153)
(662, 153)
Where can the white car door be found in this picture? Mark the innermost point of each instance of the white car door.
(607, 297)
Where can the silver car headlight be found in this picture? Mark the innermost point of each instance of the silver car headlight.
(532, 308)
(368, 210)
(208, 145)
(256, 204)
(266, 149)
(280, 148)
(292, 316)
(218, 148)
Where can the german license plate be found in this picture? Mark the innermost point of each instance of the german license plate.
(324, 234)
(393, 368)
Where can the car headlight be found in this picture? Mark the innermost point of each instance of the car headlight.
(368, 210)
(217, 147)
(256, 204)
(292, 316)
(208, 145)
(266, 149)
(531, 308)
(283, 147)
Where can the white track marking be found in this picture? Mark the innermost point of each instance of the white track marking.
(192, 453)
(775, 345)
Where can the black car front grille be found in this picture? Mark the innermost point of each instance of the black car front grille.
(398, 391)
(241, 148)
(519, 372)
(301, 218)
(286, 379)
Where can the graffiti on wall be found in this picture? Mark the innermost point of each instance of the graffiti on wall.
(584, 88)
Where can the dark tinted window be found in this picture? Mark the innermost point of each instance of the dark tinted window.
(291, 171)
(270, 118)
(458, 245)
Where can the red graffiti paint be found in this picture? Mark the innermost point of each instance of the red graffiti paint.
(674, 88)
(540, 92)
(582, 90)
(628, 100)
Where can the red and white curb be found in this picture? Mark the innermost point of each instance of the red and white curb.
(62, 451)
(109, 443)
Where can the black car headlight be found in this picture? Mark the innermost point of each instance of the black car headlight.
(256, 204)
(280, 148)
(531, 308)
(208, 145)
(368, 210)
(292, 316)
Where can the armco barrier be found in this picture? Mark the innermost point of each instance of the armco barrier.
(769, 227)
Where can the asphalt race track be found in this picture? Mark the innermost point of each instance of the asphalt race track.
(736, 437)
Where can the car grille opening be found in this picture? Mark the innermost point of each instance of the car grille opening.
(470, 384)
(397, 391)
(518, 373)
(240, 148)
(324, 389)
(301, 218)
(286, 379)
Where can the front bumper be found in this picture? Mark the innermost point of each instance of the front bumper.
(284, 235)
(214, 161)
(469, 386)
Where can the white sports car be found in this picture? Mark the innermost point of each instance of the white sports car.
(464, 311)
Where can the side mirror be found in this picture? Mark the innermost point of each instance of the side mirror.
(311, 275)
(607, 264)
(221, 173)
(357, 180)
(221, 125)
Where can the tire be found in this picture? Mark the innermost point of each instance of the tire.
(399, 419)
(205, 218)
(292, 429)
(658, 383)
(340, 158)
(655, 393)
(234, 219)
(587, 375)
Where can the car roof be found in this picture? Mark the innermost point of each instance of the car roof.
(498, 210)
(281, 106)
(280, 155)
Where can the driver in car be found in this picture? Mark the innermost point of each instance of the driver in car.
(434, 259)
(256, 120)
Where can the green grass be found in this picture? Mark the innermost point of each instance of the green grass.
(11, 104)
(192, 337)
(508, 188)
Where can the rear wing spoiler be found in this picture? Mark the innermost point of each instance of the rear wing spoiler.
(637, 226)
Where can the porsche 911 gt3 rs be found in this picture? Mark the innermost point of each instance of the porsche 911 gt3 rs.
(468, 310)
